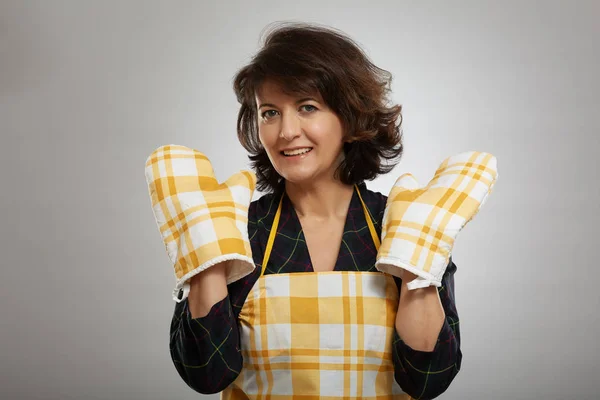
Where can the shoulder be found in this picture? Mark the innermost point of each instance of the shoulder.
(262, 209)
(375, 201)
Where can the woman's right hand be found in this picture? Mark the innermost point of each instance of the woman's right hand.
(203, 223)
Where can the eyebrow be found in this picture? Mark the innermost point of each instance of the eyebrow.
(302, 100)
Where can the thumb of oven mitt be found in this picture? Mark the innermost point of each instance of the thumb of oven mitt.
(420, 225)
(202, 222)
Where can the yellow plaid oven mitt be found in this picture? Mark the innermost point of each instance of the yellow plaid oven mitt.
(202, 222)
(421, 224)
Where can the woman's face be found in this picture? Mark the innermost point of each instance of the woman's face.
(302, 136)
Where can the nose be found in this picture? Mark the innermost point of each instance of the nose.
(290, 127)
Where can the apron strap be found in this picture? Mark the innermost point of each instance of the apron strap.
(271, 237)
(369, 221)
(275, 224)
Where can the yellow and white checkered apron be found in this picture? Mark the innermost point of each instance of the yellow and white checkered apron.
(318, 335)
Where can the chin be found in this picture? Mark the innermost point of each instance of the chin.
(299, 178)
(304, 175)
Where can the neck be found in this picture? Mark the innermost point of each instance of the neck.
(321, 199)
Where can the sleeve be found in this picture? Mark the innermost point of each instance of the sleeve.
(206, 351)
(426, 375)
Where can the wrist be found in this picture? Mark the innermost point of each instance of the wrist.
(405, 293)
(407, 276)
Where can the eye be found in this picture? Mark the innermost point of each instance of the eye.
(309, 107)
(266, 114)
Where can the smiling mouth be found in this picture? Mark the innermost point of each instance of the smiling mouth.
(296, 152)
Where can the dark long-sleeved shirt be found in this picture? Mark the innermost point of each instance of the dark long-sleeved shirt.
(206, 351)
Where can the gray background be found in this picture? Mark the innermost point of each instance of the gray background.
(89, 89)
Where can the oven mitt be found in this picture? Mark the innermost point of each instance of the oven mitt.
(420, 225)
(202, 222)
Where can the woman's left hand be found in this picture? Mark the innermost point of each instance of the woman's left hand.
(420, 225)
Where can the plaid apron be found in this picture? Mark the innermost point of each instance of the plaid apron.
(318, 335)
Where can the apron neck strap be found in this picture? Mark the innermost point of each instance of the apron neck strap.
(275, 224)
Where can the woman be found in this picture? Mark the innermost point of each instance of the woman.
(303, 309)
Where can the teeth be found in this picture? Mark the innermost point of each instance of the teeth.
(297, 151)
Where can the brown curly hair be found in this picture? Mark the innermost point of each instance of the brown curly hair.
(304, 58)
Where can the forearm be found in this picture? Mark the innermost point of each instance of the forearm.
(207, 289)
(425, 370)
(420, 315)
(205, 351)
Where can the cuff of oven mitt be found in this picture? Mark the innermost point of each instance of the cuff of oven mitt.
(241, 266)
(395, 266)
